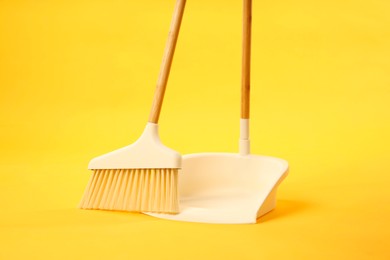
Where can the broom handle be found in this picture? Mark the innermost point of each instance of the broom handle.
(246, 59)
(167, 61)
(244, 147)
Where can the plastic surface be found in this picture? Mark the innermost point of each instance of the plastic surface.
(244, 147)
(146, 153)
(227, 188)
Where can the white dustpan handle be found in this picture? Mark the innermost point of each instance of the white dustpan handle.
(245, 81)
(167, 61)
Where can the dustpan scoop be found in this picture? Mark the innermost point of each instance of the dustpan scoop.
(230, 188)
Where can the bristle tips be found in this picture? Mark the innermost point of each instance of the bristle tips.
(141, 190)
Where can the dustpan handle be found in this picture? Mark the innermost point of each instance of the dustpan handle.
(167, 61)
(245, 77)
(246, 58)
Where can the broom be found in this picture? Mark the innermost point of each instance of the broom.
(143, 176)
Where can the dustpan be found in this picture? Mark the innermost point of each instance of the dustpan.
(227, 188)
(230, 188)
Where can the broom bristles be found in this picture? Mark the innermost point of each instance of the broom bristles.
(141, 190)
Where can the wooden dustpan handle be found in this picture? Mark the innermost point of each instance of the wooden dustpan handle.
(246, 59)
(167, 61)
(244, 146)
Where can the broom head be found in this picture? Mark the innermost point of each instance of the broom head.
(141, 177)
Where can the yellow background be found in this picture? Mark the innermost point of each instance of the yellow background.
(77, 80)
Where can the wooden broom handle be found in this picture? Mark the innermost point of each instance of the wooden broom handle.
(167, 61)
(246, 59)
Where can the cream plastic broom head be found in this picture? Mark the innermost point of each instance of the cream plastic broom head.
(146, 153)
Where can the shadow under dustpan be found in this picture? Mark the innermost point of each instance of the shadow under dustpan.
(227, 188)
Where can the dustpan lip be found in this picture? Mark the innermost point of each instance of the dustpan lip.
(283, 162)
